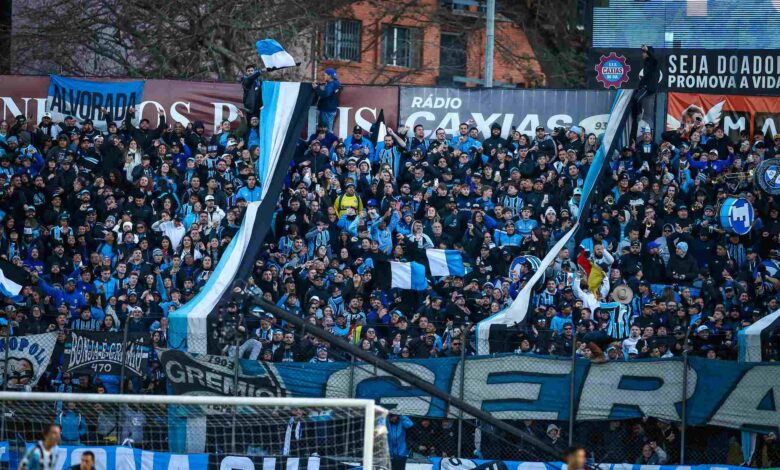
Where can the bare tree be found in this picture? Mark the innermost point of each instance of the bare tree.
(553, 28)
(186, 39)
(214, 39)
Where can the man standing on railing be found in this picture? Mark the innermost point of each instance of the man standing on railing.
(328, 95)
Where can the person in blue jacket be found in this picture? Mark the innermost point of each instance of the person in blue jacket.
(251, 192)
(69, 295)
(396, 440)
(357, 141)
(328, 94)
(711, 162)
(508, 236)
(463, 141)
(73, 424)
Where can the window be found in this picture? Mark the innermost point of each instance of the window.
(401, 46)
(452, 58)
(342, 40)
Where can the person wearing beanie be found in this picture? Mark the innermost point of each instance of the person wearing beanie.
(682, 266)
(328, 98)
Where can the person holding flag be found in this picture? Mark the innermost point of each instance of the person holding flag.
(274, 57)
(252, 85)
(592, 283)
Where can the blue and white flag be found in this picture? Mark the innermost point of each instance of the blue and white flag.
(12, 278)
(516, 313)
(83, 99)
(283, 116)
(398, 275)
(445, 262)
(273, 54)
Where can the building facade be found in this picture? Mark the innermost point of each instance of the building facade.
(424, 42)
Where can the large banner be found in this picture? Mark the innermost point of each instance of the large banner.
(122, 458)
(102, 352)
(86, 99)
(208, 102)
(511, 108)
(721, 393)
(28, 358)
(746, 71)
(256, 462)
(438, 463)
(283, 117)
(215, 375)
(733, 113)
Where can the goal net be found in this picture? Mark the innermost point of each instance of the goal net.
(152, 431)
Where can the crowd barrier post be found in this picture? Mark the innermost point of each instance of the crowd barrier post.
(351, 376)
(351, 394)
(463, 347)
(572, 404)
(5, 381)
(684, 407)
(125, 333)
(236, 368)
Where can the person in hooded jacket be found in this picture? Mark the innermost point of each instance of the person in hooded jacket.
(495, 141)
(195, 137)
(111, 156)
(682, 267)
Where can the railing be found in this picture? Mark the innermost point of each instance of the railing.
(622, 439)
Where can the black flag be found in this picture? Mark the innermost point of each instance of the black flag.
(377, 127)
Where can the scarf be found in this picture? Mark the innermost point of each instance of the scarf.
(293, 426)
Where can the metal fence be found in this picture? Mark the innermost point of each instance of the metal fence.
(637, 440)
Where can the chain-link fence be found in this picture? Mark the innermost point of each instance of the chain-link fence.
(629, 438)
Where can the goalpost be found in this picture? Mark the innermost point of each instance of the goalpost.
(305, 433)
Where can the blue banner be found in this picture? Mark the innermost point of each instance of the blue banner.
(468, 464)
(121, 458)
(84, 99)
(721, 393)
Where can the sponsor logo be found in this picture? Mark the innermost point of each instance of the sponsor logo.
(612, 70)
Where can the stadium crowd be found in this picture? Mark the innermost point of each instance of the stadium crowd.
(120, 227)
